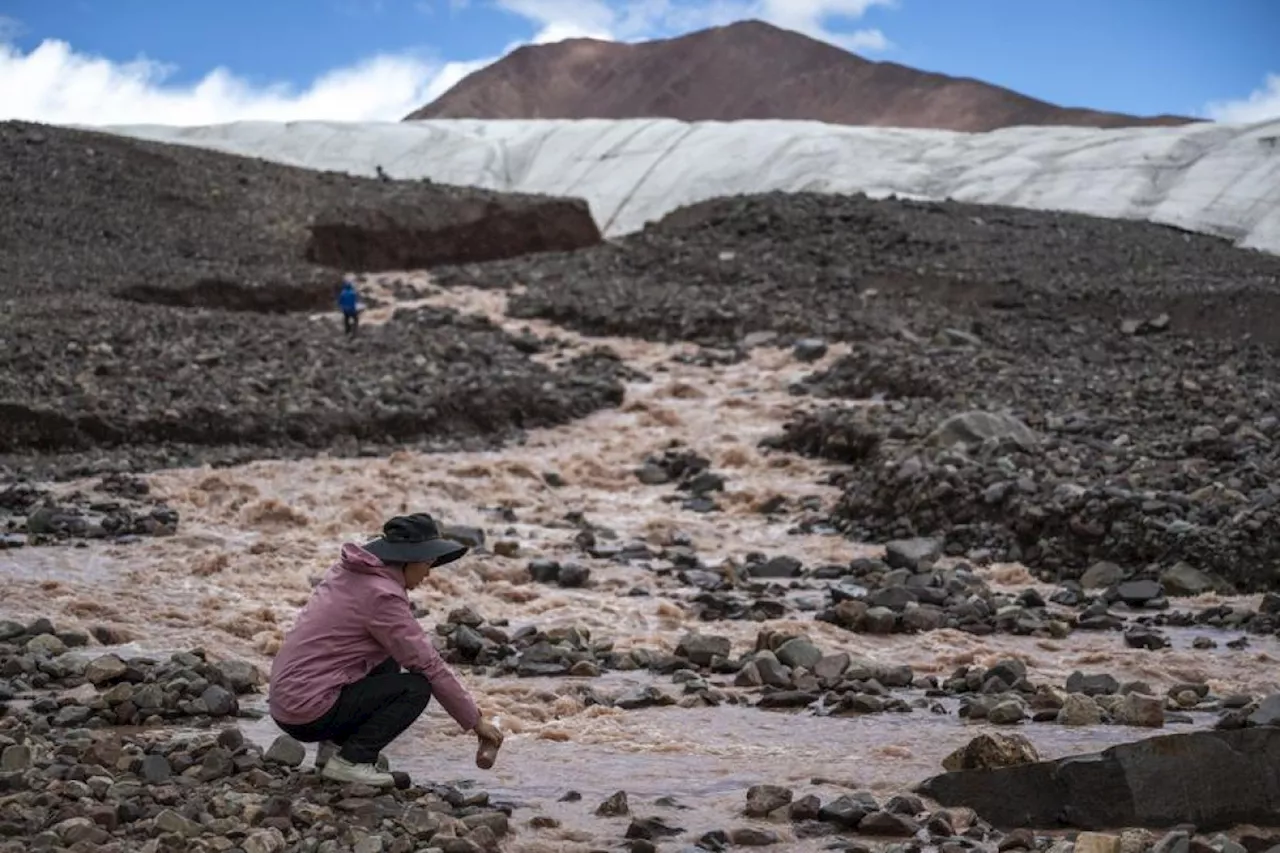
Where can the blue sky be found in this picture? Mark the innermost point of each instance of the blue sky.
(192, 61)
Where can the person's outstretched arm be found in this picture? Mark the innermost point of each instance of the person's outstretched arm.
(392, 624)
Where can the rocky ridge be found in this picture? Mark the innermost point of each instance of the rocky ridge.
(158, 302)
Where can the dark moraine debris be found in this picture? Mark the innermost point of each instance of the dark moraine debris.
(1105, 385)
(159, 297)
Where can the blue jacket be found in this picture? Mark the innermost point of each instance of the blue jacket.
(347, 299)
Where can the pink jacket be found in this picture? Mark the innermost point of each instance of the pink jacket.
(358, 616)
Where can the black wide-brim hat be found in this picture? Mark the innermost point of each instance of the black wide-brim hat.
(414, 539)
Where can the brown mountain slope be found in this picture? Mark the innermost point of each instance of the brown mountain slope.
(747, 70)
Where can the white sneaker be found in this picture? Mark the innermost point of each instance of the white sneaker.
(338, 769)
(328, 749)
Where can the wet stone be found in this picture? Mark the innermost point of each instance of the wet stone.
(886, 823)
(231, 739)
(1092, 685)
(573, 575)
(809, 349)
(702, 649)
(105, 669)
(799, 652)
(750, 837)
(848, 810)
(805, 809)
(764, 799)
(614, 806)
(1139, 593)
(218, 701)
(652, 828)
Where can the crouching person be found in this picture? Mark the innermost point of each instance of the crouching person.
(357, 669)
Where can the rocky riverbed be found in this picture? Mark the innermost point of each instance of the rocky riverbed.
(184, 775)
(657, 604)
(1048, 388)
(777, 510)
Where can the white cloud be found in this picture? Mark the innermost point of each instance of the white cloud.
(56, 84)
(1260, 105)
(640, 19)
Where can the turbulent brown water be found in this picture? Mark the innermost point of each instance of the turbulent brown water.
(252, 537)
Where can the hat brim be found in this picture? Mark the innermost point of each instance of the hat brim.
(437, 552)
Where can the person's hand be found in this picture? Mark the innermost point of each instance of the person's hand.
(488, 732)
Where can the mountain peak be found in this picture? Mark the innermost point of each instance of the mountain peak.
(748, 69)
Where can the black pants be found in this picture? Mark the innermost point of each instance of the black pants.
(350, 322)
(370, 713)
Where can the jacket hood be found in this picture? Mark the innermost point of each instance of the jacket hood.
(356, 559)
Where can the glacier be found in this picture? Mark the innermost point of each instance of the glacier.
(1220, 179)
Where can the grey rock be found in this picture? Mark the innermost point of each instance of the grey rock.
(1007, 713)
(46, 644)
(1139, 593)
(1129, 784)
(799, 652)
(155, 770)
(72, 715)
(750, 837)
(14, 758)
(763, 799)
(809, 349)
(1268, 712)
(239, 676)
(912, 553)
(1185, 579)
(615, 806)
(573, 575)
(848, 810)
(970, 430)
(105, 669)
(702, 649)
(1101, 575)
(170, 821)
(1092, 685)
(286, 751)
(219, 701)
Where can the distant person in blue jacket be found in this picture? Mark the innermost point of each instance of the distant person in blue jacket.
(349, 302)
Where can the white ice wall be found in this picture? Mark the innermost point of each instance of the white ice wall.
(1216, 178)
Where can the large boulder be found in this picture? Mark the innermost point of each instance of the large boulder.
(468, 230)
(973, 428)
(1213, 779)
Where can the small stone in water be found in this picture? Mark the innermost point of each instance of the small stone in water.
(615, 806)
